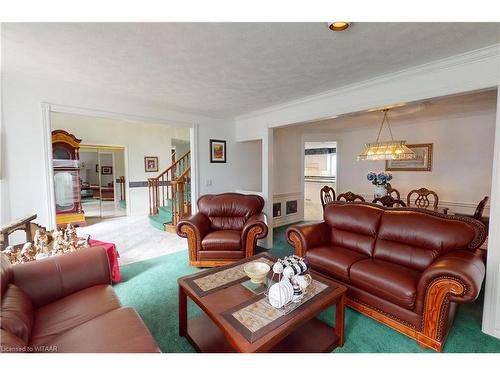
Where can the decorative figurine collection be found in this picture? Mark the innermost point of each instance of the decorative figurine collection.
(293, 281)
(45, 243)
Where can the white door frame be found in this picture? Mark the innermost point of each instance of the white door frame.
(315, 138)
(47, 108)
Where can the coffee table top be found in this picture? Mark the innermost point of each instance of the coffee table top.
(247, 320)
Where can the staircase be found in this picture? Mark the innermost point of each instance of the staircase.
(170, 195)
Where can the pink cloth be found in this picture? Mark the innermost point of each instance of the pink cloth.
(112, 256)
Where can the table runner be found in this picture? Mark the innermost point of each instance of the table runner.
(256, 317)
(112, 256)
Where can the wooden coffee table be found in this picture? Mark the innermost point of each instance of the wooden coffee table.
(234, 319)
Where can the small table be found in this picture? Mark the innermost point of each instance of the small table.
(112, 256)
(234, 319)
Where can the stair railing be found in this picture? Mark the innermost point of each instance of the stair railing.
(160, 188)
(181, 202)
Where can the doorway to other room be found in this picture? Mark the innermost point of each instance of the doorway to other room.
(320, 169)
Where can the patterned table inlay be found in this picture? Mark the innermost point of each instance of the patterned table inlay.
(256, 318)
(227, 276)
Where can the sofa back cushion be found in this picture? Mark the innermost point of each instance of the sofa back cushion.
(414, 239)
(230, 210)
(5, 272)
(16, 315)
(353, 226)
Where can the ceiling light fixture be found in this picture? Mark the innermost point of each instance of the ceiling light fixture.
(338, 26)
(389, 150)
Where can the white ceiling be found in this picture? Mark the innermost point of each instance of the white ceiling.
(228, 69)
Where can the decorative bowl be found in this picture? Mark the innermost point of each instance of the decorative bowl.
(257, 271)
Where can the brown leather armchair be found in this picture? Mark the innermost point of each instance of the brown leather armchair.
(408, 268)
(225, 229)
(65, 303)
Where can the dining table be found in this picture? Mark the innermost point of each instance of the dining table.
(439, 209)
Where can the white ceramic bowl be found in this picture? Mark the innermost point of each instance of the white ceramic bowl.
(257, 271)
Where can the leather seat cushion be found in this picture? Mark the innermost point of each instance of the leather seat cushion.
(16, 314)
(222, 240)
(333, 260)
(389, 281)
(67, 313)
(118, 331)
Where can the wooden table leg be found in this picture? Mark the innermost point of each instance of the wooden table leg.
(339, 319)
(182, 312)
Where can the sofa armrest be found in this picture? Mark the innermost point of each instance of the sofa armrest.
(194, 229)
(255, 228)
(454, 277)
(306, 236)
(55, 277)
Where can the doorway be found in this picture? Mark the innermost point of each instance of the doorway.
(102, 174)
(320, 169)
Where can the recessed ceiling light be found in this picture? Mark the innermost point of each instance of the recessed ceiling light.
(338, 26)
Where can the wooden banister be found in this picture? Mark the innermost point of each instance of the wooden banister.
(164, 187)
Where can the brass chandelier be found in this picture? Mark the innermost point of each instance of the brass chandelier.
(389, 150)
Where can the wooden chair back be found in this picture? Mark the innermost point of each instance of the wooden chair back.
(327, 195)
(478, 214)
(422, 199)
(389, 201)
(393, 193)
(349, 196)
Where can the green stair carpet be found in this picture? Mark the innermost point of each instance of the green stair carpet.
(151, 288)
(164, 216)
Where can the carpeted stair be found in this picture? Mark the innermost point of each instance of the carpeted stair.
(164, 216)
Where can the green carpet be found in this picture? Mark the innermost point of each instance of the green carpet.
(151, 288)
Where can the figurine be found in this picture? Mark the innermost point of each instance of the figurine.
(41, 241)
(28, 252)
(13, 253)
(297, 292)
(71, 238)
(84, 242)
(58, 242)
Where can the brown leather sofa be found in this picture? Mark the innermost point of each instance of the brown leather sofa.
(407, 268)
(225, 229)
(65, 303)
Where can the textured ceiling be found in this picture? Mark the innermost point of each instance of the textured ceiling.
(228, 69)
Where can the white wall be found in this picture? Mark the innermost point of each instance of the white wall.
(23, 158)
(462, 166)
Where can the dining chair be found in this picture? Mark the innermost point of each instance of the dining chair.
(349, 196)
(327, 195)
(422, 199)
(389, 201)
(478, 214)
(391, 191)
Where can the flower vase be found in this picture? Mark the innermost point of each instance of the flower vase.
(380, 191)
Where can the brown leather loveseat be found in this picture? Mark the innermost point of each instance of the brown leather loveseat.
(225, 229)
(407, 268)
(65, 303)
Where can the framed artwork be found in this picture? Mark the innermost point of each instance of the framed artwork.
(277, 209)
(106, 170)
(217, 151)
(151, 163)
(423, 161)
(291, 207)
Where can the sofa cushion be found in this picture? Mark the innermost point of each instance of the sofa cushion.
(222, 240)
(229, 210)
(354, 227)
(62, 315)
(386, 280)
(333, 261)
(415, 239)
(16, 314)
(118, 331)
(10, 343)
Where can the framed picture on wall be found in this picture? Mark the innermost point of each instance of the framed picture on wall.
(151, 163)
(97, 168)
(106, 170)
(277, 209)
(217, 151)
(422, 162)
(291, 207)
